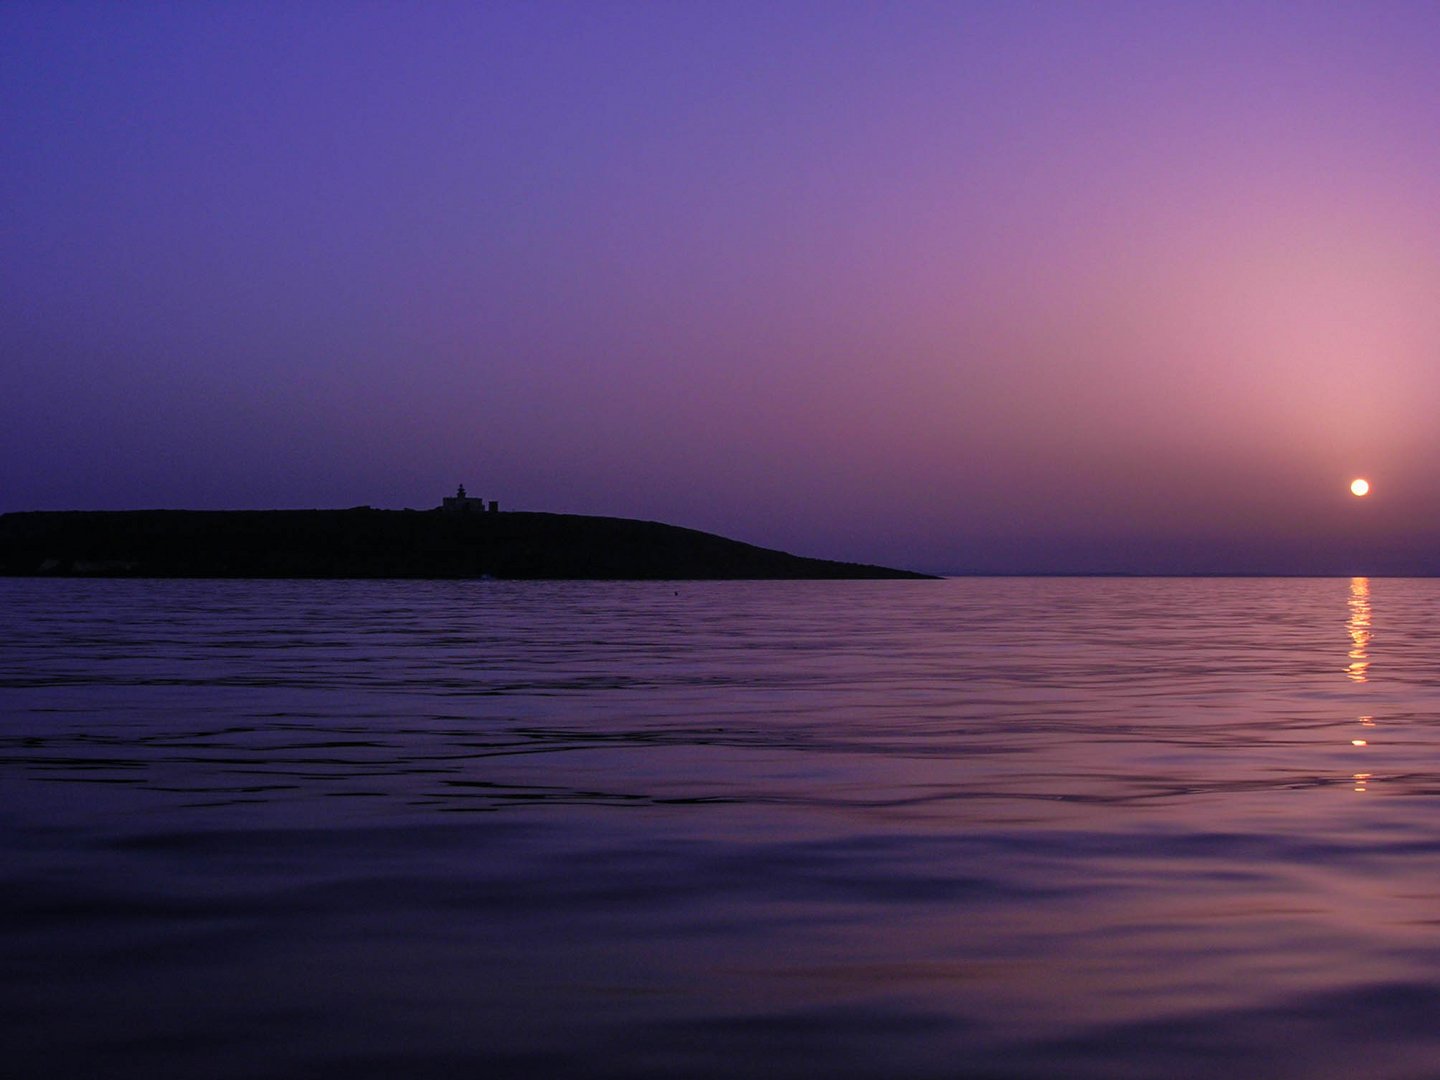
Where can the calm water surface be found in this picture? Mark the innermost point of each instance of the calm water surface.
(972, 828)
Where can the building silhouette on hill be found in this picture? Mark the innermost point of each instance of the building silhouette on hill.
(460, 503)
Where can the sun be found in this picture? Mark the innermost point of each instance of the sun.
(1359, 488)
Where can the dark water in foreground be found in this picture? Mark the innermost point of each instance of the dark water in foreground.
(971, 828)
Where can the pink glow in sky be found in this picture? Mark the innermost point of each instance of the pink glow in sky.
(951, 286)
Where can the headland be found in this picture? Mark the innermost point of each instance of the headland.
(367, 543)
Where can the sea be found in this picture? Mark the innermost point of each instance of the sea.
(994, 828)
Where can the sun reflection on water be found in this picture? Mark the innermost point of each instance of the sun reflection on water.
(1359, 627)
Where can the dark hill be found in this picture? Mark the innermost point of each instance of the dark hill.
(365, 543)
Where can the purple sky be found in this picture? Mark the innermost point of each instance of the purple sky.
(952, 286)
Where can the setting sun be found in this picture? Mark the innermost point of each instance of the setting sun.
(1360, 487)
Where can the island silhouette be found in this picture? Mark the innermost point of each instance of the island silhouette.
(463, 538)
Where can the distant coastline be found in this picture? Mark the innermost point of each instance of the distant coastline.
(367, 543)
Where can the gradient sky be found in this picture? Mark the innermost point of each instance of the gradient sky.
(995, 286)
